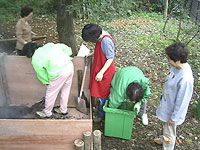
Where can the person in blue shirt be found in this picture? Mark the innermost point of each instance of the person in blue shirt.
(176, 94)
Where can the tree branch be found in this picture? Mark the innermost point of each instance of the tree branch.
(193, 36)
(179, 29)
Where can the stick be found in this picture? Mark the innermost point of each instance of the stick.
(80, 78)
(97, 139)
(87, 139)
(79, 144)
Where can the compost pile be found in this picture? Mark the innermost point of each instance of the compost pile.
(21, 111)
(29, 112)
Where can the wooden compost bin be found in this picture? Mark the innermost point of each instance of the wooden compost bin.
(19, 85)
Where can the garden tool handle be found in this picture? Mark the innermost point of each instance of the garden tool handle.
(84, 74)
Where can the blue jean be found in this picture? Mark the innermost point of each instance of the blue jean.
(102, 101)
(143, 109)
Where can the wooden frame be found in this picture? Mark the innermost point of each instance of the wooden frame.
(36, 134)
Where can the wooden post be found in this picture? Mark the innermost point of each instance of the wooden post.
(79, 144)
(6, 98)
(87, 140)
(166, 9)
(97, 139)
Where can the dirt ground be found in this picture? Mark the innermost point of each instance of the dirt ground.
(142, 136)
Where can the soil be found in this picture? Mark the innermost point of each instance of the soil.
(142, 136)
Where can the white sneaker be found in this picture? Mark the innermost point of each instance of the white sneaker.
(145, 119)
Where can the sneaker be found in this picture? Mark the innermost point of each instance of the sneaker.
(145, 119)
(57, 110)
(158, 141)
(41, 114)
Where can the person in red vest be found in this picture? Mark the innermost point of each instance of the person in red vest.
(103, 67)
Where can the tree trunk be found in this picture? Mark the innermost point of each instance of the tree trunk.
(65, 26)
(166, 9)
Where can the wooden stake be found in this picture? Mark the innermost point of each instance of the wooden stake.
(79, 144)
(87, 140)
(97, 139)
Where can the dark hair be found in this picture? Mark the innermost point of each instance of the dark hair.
(91, 32)
(29, 49)
(134, 92)
(25, 11)
(177, 51)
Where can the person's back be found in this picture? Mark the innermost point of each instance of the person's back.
(23, 34)
(55, 70)
(120, 82)
(52, 57)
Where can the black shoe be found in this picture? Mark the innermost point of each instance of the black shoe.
(57, 110)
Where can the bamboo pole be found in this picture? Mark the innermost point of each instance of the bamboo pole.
(79, 144)
(97, 139)
(87, 140)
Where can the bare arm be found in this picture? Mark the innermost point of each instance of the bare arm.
(99, 75)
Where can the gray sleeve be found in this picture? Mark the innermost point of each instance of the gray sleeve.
(184, 95)
(108, 48)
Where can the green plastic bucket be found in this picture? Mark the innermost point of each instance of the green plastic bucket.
(119, 122)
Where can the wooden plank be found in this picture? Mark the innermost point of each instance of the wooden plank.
(41, 134)
(4, 93)
(15, 39)
(24, 86)
(9, 45)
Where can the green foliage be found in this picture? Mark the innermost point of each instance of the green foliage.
(1, 37)
(178, 7)
(93, 10)
(143, 33)
(103, 10)
(157, 5)
(10, 10)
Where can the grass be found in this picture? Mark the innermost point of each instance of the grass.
(144, 32)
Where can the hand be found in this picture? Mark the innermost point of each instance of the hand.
(90, 54)
(34, 34)
(137, 107)
(99, 76)
(171, 122)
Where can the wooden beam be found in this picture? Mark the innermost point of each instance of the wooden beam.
(15, 39)
(36, 134)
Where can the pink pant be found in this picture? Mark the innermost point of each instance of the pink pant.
(62, 83)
